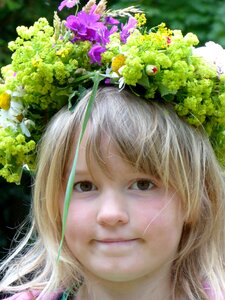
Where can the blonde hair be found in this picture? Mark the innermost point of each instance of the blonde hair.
(151, 137)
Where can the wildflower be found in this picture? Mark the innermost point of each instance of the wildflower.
(151, 70)
(141, 19)
(214, 54)
(68, 3)
(127, 29)
(118, 62)
(111, 21)
(95, 53)
(85, 26)
(168, 40)
(5, 101)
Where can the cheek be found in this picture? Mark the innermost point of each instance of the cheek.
(80, 223)
(161, 223)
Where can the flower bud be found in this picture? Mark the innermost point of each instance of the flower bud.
(151, 70)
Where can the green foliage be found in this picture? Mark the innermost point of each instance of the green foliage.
(20, 12)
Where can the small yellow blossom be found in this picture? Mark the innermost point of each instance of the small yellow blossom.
(118, 62)
(141, 19)
(164, 31)
(62, 52)
(36, 62)
(5, 101)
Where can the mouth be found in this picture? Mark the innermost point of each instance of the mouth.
(117, 241)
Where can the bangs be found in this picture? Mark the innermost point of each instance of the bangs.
(147, 136)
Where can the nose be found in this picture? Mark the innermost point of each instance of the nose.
(112, 209)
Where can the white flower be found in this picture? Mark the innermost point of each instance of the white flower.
(10, 118)
(214, 54)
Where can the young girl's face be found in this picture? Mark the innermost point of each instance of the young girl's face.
(122, 226)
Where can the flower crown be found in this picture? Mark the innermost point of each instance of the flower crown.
(53, 65)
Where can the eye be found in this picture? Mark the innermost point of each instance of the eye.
(84, 186)
(142, 185)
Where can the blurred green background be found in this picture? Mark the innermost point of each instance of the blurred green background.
(203, 17)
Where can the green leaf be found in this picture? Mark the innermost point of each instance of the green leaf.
(97, 78)
(165, 91)
(144, 81)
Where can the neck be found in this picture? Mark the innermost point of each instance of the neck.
(139, 289)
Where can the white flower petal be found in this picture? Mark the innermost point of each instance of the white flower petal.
(214, 54)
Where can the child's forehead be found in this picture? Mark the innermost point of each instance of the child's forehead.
(104, 155)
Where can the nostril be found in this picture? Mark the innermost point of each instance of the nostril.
(112, 217)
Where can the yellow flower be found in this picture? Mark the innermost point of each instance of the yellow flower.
(141, 19)
(36, 62)
(5, 101)
(62, 52)
(118, 62)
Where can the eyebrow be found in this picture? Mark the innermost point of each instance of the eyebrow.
(79, 172)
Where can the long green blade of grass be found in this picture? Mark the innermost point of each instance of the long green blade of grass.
(69, 189)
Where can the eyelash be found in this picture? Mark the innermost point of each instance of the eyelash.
(88, 186)
(84, 183)
(143, 180)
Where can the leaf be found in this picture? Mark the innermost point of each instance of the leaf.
(144, 81)
(165, 91)
(97, 78)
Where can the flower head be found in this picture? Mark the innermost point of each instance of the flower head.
(84, 26)
(118, 62)
(95, 54)
(214, 54)
(127, 29)
(68, 3)
(5, 100)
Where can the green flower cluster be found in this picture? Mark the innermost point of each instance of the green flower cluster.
(43, 63)
(15, 152)
(163, 63)
(51, 67)
(41, 78)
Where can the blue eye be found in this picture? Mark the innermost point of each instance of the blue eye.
(84, 186)
(142, 185)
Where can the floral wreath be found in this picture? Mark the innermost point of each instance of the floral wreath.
(53, 66)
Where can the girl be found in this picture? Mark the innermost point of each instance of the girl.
(146, 218)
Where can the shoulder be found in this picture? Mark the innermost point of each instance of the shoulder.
(32, 295)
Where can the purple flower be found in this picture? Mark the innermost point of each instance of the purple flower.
(107, 81)
(95, 54)
(68, 3)
(126, 29)
(85, 26)
(102, 36)
(111, 21)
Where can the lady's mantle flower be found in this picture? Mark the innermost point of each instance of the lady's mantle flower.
(68, 3)
(214, 54)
